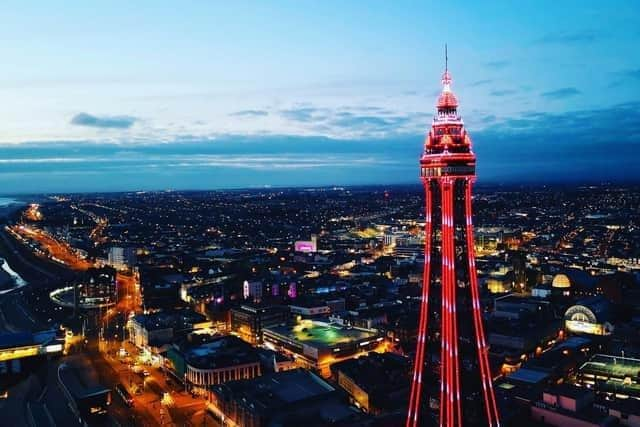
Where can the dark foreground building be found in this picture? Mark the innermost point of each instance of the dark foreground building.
(290, 398)
(87, 398)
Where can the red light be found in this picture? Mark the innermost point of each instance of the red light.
(449, 161)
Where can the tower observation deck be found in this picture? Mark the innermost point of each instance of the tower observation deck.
(451, 383)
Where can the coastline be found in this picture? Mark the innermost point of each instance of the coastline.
(18, 281)
(8, 205)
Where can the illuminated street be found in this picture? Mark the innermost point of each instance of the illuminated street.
(57, 251)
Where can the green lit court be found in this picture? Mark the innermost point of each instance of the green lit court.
(320, 343)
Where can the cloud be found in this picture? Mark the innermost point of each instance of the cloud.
(503, 92)
(103, 122)
(534, 147)
(351, 120)
(623, 77)
(497, 64)
(565, 92)
(531, 147)
(481, 82)
(633, 74)
(303, 114)
(250, 113)
(356, 122)
(577, 37)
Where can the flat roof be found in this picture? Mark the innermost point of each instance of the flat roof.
(376, 371)
(221, 352)
(276, 390)
(78, 383)
(530, 376)
(570, 391)
(573, 342)
(613, 366)
(321, 334)
(23, 339)
(16, 339)
(174, 318)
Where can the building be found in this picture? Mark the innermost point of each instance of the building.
(274, 361)
(570, 406)
(310, 307)
(317, 344)
(121, 258)
(453, 323)
(336, 305)
(92, 289)
(307, 246)
(376, 383)
(562, 284)
(541, 291)
(513, 306)
(252, 290)
(154, 330)
(248, 320)
(575, 282)
(202, 360)
(290, 398)
(18, 348)
(520, 326)
(86, 397)
(614, 376)
(161, 286)
(590, 316)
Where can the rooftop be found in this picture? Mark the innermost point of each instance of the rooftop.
(268, 393)
(376, 371)
(320, 334)
(177, 319)
(221, 352)
(529, 376)
(614, 366)
(80, 379)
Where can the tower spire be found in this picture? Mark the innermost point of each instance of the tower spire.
(446, 59)
(447, 99)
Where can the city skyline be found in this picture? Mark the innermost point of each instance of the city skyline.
(212, 96)
(212, 214)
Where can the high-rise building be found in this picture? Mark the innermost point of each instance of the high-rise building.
(252, 290)
(450, 321)
(122, 258)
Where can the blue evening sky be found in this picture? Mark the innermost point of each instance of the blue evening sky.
(151, 95)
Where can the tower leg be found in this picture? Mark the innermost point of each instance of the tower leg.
(415, 397)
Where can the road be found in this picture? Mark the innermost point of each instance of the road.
(10, 245)
(156, 397)
(58, 251)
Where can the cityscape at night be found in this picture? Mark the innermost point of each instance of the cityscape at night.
(349, 214)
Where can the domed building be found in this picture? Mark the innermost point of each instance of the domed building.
(574, 282)
(589, 316)
(561, 281)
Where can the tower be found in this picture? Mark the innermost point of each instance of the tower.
(451, 340)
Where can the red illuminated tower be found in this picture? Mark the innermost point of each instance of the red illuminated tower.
(451, 340)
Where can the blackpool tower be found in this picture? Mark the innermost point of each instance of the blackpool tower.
(451, 350)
